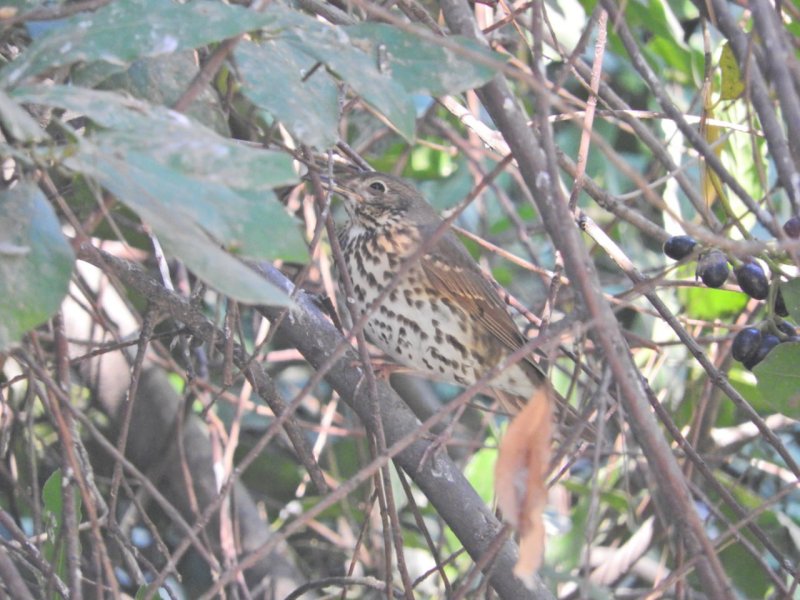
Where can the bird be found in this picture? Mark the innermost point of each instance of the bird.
(444, 318)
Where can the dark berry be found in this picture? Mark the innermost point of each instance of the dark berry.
(752, 280)
(768, 342)
(792, 227)
(745, 344)
(713, 269)
(780, 305)
(785, 327)
(679, 246)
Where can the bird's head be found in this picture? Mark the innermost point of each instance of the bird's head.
(379, 200)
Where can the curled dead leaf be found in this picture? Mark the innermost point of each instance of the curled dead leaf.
(520, 480)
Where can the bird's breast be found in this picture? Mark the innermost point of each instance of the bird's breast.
(416, 322)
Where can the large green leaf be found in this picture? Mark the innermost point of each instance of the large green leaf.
(35, 262)
(172, 138)
(273, 77)
(332, 46)
(779, 379)
(125, 30)
(192, 218)
(420, 66)
(162, 80)
(199, 191)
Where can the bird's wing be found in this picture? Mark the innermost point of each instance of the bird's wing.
(453, 271)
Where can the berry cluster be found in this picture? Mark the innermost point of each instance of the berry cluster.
(752, 344)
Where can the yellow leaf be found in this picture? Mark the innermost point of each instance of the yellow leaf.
(712, 186)
(732, 84)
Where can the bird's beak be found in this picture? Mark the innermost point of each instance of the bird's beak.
(345, 192)
(337, 188)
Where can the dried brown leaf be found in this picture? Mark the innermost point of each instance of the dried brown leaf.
(520, 480)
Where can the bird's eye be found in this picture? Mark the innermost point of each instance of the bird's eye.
(377, 186)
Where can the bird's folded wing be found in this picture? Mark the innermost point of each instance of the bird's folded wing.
(462, 280)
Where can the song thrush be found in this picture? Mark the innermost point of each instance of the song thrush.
(444, 318)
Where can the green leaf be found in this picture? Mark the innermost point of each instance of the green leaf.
(749, 578)
(35, 262)
(737, 561)
(732, 85)
(18, 122)
(332, 46)
(274, 71)
(424, 67)
(125, 30)
(53, 521)
(51, 494)
(708, 303)
(53, 548)
(269, 232)
(162, 80)
(479, 471)
(790, 290)
(197, 190)
(172, 138)
(191, 217)
(779, 379)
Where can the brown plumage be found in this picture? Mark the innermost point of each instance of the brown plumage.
(444, 318)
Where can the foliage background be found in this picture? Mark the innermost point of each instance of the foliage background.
(167, 427)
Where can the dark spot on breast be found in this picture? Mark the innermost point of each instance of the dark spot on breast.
(457, 345)
(359, 291)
